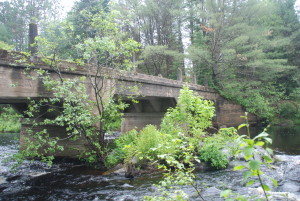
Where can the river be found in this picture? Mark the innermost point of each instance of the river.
(70, 181)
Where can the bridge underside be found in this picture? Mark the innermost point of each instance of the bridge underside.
(144, 111)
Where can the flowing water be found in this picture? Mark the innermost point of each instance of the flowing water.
(70, 181)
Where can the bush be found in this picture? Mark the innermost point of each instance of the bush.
(211, 153)
(191, 116)
(119, 152)
(211, 149)
(6, 46)
(145, 145)
(288, 110)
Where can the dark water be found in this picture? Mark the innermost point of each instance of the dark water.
(286, 139)
(68, 181)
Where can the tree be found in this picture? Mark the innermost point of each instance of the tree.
(156, 58)
(240, 52)
(16, 15)
(286, 25)
(81, 17)
(156, 23)
(4, 34)
(83, 116)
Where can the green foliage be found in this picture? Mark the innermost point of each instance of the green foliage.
(113, 49)
(288, 110)
(57, 40)
(213, 155)
(251, 155)
(256, 98)
(178, 173)
(39, 145)
(15, 16)
(75, 114)
(243, 49)
(173, 147)
(158, 25)
(156, 60)
(9, 120)
(111, 117)
(163, 146)
(146, 145)
(191, 116)
(217, 149)
(230, 196)
(81, 23)
(108, 46)
(4, 35)
(120, 148)
(5, 46)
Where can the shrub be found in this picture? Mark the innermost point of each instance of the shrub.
(211, 149)
(288, 110)
(119, 152)
(144, 146)
(211, 153)
(191, 116)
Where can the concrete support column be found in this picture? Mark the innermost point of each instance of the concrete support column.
(179, 74)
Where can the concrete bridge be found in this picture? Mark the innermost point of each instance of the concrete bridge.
(155, 94)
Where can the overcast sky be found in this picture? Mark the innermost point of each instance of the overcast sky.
(69, 3)
(297, 4)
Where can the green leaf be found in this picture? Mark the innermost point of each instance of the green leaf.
(240, 167)
(248, 151)
(266, 187)
(275, 183)
(269, 140)
(269, 150)
(261, 135)
(260, 143)
(242, 125)
(268, 158)
(249, 183)
(254, 164)
(250, 142)
(225, 193)
(247, 174)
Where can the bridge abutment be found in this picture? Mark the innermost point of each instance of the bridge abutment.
(72, 148)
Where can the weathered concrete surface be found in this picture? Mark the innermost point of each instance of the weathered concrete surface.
(72, 148)
(19, 81)
(140, 120)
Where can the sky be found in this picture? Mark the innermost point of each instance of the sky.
(297, 4)
(67, 4)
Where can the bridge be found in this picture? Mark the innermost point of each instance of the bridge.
(154, 94)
